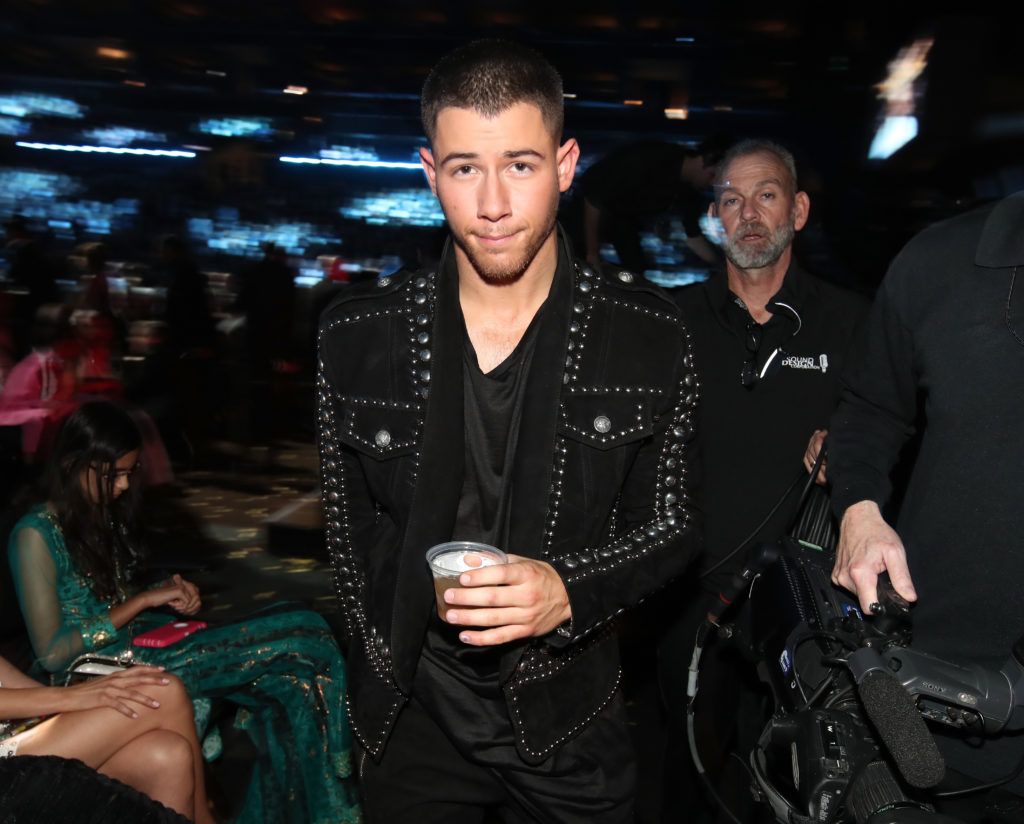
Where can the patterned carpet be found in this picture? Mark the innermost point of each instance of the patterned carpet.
(213, 528)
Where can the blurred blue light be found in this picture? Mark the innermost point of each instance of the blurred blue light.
(348, 153)
(236, 126)
(227, 234)
(13, 127)
(395, 207)
(44, 197)
(61, 147)
(123, 136)
(30, 105)
(359, 164)
(894, 133)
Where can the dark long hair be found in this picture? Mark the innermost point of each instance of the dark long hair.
(101, 535)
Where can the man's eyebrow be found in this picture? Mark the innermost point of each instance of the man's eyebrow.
(727, 186)
(448, 158)
(511, 154)
(516, 153)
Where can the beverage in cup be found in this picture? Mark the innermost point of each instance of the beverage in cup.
(449, 560)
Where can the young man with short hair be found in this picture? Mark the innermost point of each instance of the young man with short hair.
(520, 399)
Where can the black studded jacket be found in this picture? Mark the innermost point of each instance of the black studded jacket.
(601, 480)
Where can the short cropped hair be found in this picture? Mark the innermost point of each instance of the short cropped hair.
(754, 146)
(489, 77)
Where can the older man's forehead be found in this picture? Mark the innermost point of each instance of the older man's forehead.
(777, 174)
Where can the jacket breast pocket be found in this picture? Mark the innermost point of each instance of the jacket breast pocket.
(601, 435)
(381, 435)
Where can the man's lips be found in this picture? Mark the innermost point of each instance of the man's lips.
(752, 233)
(496, 240)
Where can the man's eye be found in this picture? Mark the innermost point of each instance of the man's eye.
(463, 170)
(768, 196)
(729, 201)
(521, 168)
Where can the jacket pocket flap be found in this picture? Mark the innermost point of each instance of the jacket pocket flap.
(379, 431)
(606, 421)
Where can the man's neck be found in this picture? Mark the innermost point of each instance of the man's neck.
(497, 315)
(755, 287)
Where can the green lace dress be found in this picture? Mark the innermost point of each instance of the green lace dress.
(281, 665)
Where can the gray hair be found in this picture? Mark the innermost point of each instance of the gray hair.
(753, 146)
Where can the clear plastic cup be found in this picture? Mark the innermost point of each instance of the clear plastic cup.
(448, 561)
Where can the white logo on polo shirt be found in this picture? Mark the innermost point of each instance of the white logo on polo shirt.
(815, 364)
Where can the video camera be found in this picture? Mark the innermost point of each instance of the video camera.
(847, 741)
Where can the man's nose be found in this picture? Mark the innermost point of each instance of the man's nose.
(749, 210)
(493, 203)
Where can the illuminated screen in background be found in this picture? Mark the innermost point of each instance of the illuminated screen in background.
(226, 234)
(27, 104)
(395, 207)
(671, 264)
(123, 136)
(236, 126)
(47, 198)
(13, 127)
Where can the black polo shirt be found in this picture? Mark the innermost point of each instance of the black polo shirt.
(752, 439)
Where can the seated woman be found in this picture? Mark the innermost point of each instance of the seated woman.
(135, 725)
(73, 558)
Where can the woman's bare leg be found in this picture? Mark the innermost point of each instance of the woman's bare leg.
(94, 736)
(158, 764)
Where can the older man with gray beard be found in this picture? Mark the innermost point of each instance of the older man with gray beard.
(769, 343)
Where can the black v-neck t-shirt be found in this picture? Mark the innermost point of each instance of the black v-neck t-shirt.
(492, 413)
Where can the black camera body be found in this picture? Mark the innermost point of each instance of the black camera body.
(820, 757)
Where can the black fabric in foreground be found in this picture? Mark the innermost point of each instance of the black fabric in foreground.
(44, 789)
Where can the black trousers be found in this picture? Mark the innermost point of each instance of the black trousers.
(423, 778)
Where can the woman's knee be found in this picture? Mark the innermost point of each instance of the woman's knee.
(173, 697)
(166, 754)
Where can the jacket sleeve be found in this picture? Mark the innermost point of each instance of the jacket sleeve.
(878, 404)
(660, 532)
(349, 508)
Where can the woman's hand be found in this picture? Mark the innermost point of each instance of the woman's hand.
(119, 690)
(181, 595)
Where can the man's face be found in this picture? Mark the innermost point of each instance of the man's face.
(498, 181)
(758, 210)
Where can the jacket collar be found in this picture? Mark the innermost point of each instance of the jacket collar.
(1002, 238)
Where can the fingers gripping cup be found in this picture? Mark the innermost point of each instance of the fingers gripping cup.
(449, 560)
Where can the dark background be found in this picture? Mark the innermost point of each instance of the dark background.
(803, 75)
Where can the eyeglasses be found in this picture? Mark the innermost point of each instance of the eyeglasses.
(749, 374)
(113, 476)
(752, 339)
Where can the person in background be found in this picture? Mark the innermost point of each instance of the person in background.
(770, 340)
(639, 183)
(74, 560)
(135, 725)
(945, 337)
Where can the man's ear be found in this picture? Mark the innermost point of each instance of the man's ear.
(801, 210)
(427, 159)
(567, 156)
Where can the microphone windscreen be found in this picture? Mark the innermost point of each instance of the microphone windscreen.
(901, 728)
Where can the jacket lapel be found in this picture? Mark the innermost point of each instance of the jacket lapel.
(439, 482)
(530, 487)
